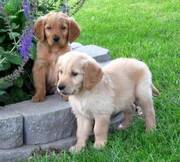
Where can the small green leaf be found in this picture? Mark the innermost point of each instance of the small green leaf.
(18, 94)
(2, 92)
(1, 50)
(15, 26)
(4, 84)
(18, 82)
(5, 99)
(14, 59)
(2, 38)
(12, 17)
(13, 35)
(19, 12)
(4, 65)
(4, 30)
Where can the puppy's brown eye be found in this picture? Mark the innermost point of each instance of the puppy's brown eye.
(74, 73)
(49, 28)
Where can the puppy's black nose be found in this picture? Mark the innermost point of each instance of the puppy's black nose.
(56, 39)
(61, 87)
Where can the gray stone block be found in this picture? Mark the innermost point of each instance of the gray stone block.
(59, 145)
(11, 129)
(46, 121)
(98, 53)
(75, 45)
(17, 154)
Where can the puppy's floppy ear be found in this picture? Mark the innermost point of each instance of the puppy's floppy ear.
(92, 75)
(39, 28)
(74, 30)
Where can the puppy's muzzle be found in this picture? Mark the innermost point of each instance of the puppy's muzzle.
(61, 89)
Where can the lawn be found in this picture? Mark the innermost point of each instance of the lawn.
(148, 30)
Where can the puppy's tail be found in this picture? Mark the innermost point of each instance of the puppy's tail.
(155, 90)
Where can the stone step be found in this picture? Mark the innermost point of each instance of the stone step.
(98, 53)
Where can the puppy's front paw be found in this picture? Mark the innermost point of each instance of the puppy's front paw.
(99, 144)
(38, 98)
(75, 149)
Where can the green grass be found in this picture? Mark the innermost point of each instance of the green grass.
(150, 31)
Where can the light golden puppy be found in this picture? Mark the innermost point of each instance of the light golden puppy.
(96, 93)
(54, 32)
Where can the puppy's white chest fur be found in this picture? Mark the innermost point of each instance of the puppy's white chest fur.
(92, 103)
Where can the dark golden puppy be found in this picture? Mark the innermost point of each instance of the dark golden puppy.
(54, 32)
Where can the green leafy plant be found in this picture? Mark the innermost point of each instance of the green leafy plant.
(14, 76)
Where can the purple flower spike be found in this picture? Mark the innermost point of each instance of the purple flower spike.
(26, 8)
(26, 43)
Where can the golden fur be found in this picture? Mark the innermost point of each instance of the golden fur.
(54, 31)
(96, 93)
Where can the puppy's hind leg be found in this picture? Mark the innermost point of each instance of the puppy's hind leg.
(144, 95)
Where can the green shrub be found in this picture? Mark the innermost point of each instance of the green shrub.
(15, 84)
